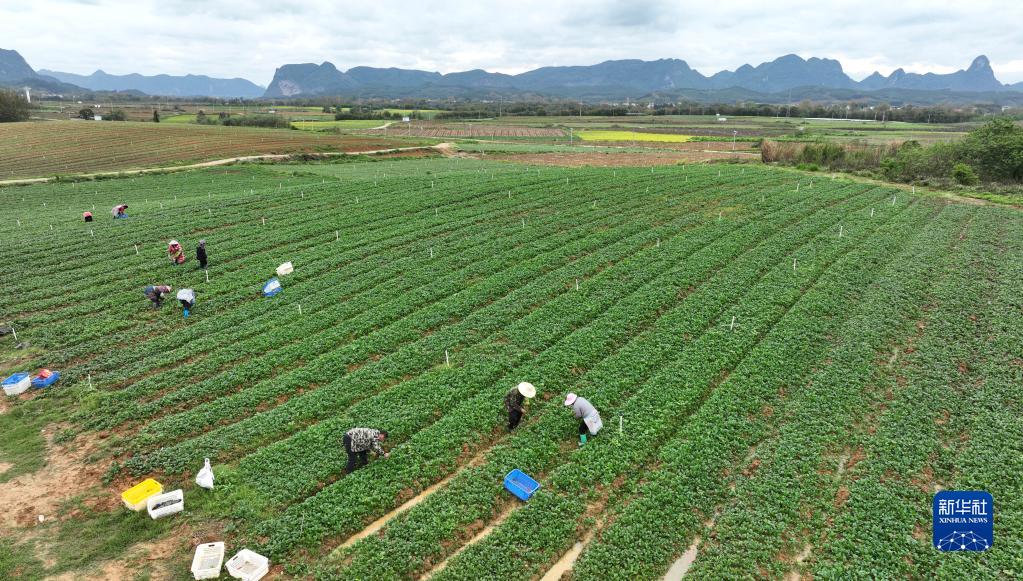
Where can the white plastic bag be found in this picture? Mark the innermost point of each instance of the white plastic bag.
(205, 476)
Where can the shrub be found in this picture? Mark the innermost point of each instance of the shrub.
(86, 113)
(963, 174)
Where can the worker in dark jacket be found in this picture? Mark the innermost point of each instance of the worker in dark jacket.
(200, 254)
(515, 402)
(359, 441)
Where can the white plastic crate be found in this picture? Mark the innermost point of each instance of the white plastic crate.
(208, 560)
(248, 565)
(160, 505)
(17, 383)
(286, 268)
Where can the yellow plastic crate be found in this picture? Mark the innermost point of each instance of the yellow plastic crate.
(135, 497)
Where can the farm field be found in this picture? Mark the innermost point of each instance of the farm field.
(600, 135)
(788, 367)
(343, 124)
(472, 130)
(72, 147)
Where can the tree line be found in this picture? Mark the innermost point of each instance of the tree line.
(989, 154)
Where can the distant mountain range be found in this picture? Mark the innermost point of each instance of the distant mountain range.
(619, 79)
(785, 79)
(164, 85)
(15, 72)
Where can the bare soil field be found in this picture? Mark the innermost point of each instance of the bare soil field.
(71, 147)
(468, 130)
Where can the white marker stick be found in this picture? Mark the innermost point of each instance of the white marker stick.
(207, 276)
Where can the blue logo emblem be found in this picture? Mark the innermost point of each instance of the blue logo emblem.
(963, 520)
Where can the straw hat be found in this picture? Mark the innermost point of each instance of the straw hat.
(528, 390)
(570, 399)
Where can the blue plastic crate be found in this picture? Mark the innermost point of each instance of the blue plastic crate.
(520, 484)
(41, 383)
(272, 287)
(16, 384)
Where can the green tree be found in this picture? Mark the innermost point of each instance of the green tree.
(156, 116)
(13, 107)
(86, 113)
(995, 151)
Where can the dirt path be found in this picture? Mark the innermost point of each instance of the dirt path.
(26, 497)
(681, 566)
(154, 554)
(567, 561)
(444, 148)
(479, 537)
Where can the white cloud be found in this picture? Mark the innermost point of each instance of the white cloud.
(250, 38)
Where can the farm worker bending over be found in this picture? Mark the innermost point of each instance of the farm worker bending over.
(175, 252)
(87, 216)
(359, 441)
(119, 210)
(156, 293)
(581, 408)
(186, 297)
(515, 402)
(200, 254)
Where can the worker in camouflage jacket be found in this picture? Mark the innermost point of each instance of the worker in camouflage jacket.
(515, 402)
(358, 442)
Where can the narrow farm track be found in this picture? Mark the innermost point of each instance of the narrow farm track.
(759, 343)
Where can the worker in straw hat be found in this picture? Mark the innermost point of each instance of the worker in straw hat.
(515, 402)
(582, 408)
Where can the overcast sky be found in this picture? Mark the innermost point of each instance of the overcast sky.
(250, 38)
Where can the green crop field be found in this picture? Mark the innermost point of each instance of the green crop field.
(787, 367)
